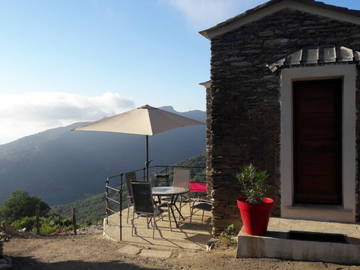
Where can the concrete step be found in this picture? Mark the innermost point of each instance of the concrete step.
(312, 241)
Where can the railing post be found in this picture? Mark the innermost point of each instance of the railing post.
(120, 205)
(37, 218)
(168, 178)
(107, 182)
(74, 220)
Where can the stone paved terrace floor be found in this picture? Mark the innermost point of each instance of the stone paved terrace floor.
(192, 236)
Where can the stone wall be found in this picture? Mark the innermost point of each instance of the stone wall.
(243, 103)
(358, 145)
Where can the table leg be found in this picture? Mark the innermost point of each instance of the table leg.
(173, 202)
(173, 214)
(177, 209)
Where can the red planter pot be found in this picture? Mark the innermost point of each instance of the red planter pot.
(255, 217)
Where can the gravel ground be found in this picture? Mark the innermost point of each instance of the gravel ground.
(89, 250)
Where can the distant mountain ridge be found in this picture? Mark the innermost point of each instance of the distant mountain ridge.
(61, 166)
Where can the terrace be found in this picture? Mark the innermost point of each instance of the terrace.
(193, 234)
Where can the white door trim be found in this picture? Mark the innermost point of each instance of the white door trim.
(346, 212)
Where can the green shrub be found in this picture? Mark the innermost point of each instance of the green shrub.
(47, 228)
(20, 205)
(54, 223)
(26, 222)
(55, 219)
(48, 225)
(226, 237)
(253, 183)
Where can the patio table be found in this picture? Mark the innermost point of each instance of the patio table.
(173, 193)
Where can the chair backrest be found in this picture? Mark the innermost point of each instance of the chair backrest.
(130, 177)
(181, 177)
(143, 202)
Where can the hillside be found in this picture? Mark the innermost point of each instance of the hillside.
(61, 166)
(92, 208)
(88, 210)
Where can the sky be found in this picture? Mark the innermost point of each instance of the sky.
(68, 61)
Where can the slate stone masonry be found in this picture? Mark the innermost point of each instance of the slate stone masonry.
(243, 109)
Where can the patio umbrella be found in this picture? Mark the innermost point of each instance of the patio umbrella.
(145, 120)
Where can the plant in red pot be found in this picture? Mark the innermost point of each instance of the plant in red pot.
(254, 206)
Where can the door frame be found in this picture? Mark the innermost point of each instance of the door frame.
(346, 211)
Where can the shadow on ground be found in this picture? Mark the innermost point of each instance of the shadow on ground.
(29, 263)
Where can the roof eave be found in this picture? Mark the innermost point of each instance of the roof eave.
(272, 6)
(204, 33)
(206, 84)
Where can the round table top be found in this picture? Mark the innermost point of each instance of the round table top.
(159, 191)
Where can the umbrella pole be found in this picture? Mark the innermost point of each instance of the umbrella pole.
(147, 159)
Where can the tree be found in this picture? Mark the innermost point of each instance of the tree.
(21, 204)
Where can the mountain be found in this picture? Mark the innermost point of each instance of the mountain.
(61, 166)
(92, 208)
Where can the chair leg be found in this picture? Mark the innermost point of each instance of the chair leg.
(190, 207)
(133, 223)
(156, 227)
(191, 211)
(169, 218)
(128, 212)
(153, 224)
(153, 221)
(132, 226)
(202, 217)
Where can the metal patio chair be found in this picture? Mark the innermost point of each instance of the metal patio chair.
(181, 179)
(204, 205)
(144, 206)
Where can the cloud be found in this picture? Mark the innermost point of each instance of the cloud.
(205, 13)
(27, 113)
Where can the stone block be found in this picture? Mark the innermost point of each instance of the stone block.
(277, 245)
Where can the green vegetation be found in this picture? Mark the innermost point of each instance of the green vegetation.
(20, 205)
(227, 236)
(20, 212)
(253, 183)
(88, 211)
(25, 222)
(50, 224)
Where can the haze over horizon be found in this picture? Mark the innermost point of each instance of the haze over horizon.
(69, 61)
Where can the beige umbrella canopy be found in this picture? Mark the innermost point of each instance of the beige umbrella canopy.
(145, 120)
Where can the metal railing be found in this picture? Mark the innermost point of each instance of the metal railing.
(159, 176)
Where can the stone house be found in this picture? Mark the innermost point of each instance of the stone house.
(284, 95)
